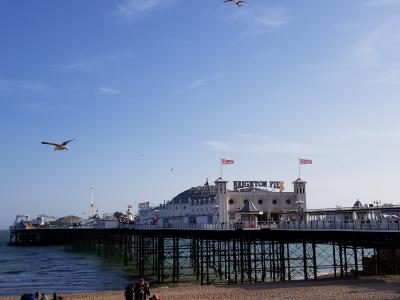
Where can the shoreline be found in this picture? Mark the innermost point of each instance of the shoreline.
(376, 287)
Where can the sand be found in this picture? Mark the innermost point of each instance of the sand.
(382, 287)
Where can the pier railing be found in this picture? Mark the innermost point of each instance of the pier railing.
(384, 224)
(368, 225)
(207, 226)
(355, 225)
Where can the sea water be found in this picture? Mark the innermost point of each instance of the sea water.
(50, 269)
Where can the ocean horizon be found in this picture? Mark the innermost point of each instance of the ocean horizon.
(50, 269)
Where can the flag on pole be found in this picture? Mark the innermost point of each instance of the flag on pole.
(305, 161)
(227, 161)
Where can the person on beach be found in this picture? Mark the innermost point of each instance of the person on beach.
(141, 290)
(129, 292)
(28, 297)
(37, 296)
(146, 289)
(44, 297)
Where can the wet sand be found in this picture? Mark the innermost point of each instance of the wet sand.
(382, 287)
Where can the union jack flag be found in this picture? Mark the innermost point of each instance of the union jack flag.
(305, 161)
(227, 161)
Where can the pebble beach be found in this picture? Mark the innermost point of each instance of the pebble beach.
(382, 287)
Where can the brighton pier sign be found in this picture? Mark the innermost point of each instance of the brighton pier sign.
(237, 185)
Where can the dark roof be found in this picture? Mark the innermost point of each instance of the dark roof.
(357, 203)
(249, 208)
(298, 180)
(198, 193)
(69, 219)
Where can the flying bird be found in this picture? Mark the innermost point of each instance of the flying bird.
(237, 2)
(62, 146)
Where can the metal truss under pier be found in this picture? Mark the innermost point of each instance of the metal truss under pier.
(230, 256)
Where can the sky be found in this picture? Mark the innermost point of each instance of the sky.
(155, 92)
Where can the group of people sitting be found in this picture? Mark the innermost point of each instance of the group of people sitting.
(37, 296)
(139, 291)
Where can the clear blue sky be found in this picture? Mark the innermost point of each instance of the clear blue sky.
(146, 86)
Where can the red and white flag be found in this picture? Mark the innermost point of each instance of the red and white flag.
(227, 161)
(305, 161)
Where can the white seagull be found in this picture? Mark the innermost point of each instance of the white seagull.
(62, 146)
(237, 2)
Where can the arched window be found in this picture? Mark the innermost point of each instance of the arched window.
(274, 202)
(231, 201)
(288, 201)
(260, 201)
(246, 201)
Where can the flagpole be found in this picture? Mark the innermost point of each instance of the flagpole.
(220, 161)
(299, 167)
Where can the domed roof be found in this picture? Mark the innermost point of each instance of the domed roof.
(197, 195)
(357, 203)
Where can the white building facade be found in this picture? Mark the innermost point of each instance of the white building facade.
(248, 201)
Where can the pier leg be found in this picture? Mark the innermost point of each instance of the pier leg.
(355, 260)
(207, 261)
(234, 251)
(241, 261)
(305, 261)
(263, 261)
(378, 262)
(201, 263)
(341, 260)
(288, 261)
(282, 261)
(334, 259)
(249, 268)
(314, 260)
(229, 261)
(255, 260)
(345, 260)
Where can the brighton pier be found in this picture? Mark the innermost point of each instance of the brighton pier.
(240, 242)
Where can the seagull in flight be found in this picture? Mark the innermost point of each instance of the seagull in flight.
(237, 2)
(62, 146)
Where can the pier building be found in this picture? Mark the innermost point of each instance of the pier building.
(248, 201)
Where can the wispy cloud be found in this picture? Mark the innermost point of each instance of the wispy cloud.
(257, 18)
(108, 90)
(372, 58)
(381, 3)
(95, 64)
(364, 135)
(199, 84)
(129, 10)
(258, 145)
(38, 106)
(379, 46)
(22, 87)
(377, 51)
(80, 66)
